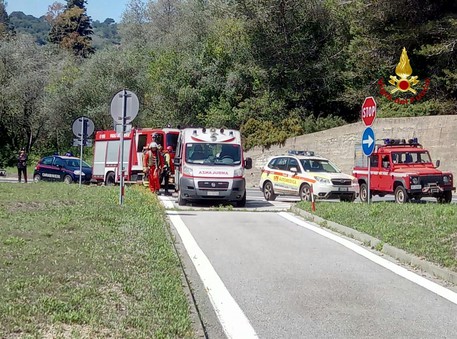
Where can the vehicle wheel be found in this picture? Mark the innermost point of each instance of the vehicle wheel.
(305, 192)
(446, 198)
(37, 178)
(401, 196)
(347, 198)
(67, 179)
(242, 202)
(363, 192)
(268, 192)
(181, 200)
(110, 179)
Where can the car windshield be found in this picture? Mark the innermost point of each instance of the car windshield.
(410, 157)
(213, 154)
(318, 165)
(75, 163)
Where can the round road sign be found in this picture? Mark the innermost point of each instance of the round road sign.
(368, 141)
(131, 108)
(87, 129)
(368, 111)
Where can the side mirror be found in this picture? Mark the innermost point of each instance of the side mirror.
(248, 163)
(438, 163)
(177, 161)
(294, 169)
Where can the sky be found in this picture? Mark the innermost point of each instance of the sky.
(96, 9)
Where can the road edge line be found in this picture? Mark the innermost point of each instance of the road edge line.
(403, 272)
(394, 252)
(234, 322)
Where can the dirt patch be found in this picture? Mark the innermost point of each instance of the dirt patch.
(25, 206)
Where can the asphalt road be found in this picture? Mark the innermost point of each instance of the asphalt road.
(289, 282)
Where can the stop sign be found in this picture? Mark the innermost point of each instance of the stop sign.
(368, 111)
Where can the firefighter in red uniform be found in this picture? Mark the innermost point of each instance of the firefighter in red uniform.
(154, 161)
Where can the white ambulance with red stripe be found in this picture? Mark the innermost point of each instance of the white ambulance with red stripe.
(107, 150)
(210, 165)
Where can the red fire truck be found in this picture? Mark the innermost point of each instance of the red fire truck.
(107, 151)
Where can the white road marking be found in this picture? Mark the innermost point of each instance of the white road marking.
(429, 285)
(232, 318)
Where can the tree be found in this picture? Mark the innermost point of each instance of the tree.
(71, 27)
(5, 27)
(25, 71)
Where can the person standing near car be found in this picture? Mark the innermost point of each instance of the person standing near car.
(154, 161)
(22, 165)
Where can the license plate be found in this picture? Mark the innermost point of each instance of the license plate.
(213, 193)
(416, 187)
(434, 190)
(343, 189)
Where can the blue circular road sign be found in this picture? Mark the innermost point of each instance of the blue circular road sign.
(368, 141)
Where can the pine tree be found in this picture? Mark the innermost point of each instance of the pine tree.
(72, 29)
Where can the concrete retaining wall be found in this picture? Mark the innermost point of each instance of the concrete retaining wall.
(437, 133)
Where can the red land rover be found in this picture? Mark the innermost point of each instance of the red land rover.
(403, 169)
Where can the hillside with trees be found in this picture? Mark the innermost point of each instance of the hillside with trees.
(273, 69)
(105, 32)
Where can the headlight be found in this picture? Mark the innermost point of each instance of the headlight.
(187, 170)
(77, 173)
(355, 181)
(446, 179)
(239, 172)
(414, 180)
(322, 180)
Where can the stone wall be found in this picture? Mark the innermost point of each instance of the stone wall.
(436, 133)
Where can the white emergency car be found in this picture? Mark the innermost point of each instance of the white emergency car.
(299, 172)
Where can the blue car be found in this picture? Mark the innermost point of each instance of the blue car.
(61, 168)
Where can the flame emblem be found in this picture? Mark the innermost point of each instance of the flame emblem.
(404, 83)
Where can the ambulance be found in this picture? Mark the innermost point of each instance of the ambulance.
(107, 152)
(210, 165)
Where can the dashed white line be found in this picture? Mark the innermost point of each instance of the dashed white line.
(425, 283)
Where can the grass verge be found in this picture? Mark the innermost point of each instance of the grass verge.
(73, 263)
(426, 230)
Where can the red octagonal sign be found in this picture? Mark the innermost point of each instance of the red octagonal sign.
(368, 111)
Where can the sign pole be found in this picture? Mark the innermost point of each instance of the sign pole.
(81, 139)
(368, 138)
(128, 110)
(124, 110)
(369, 177)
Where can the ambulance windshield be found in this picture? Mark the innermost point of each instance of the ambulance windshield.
(213, 154)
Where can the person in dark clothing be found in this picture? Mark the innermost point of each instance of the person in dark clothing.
(22, 165)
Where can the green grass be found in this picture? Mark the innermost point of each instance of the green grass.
(73, 263)
(426, 230)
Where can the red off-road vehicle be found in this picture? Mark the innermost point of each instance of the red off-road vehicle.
(403, 169)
